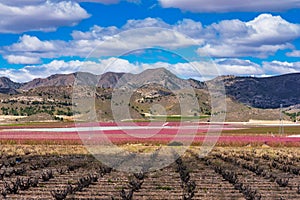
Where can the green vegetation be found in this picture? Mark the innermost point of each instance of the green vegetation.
(293, 116)
(289, 130)
(170, 118)
(28, 108)
(176, 118)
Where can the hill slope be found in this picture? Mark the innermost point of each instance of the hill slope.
(248, 97)
(7, 86)
(264, 92)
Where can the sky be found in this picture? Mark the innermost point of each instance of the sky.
(194, 39)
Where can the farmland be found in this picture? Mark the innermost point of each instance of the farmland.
(246, 163)
(149, 100)
(145, 132)
(68, 172)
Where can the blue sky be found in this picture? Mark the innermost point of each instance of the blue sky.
(195, 38)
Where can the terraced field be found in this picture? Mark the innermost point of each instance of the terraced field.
(226, 173)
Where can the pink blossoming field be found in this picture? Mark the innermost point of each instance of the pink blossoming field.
(143, 132)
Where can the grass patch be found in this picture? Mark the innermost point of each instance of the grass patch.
(25, 124)
(37, 124)
(289, 130)
(39, 142)
(170, 118)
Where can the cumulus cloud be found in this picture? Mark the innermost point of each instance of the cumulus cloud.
(231, 5)
(98, 42)
(238, 67)
(20, 16)
(30, 50)
(111, 41)
(132, 39)
(15, 59)
(95, 32)
(201, 70)
(35, 2)
(234, 50)
(31, 43)
(109, 1)
(30, 72)
(260, 37)
(187, 27)
(272, 29)
(295, 53)
(279, 67)
(204, 70)
(147, 22)
(100, 1)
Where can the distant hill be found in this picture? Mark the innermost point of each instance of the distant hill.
(7, 86)
(57, 80)
(109, 79)
(159, 76)
(53, 80)
(264, 92)
(257, 98)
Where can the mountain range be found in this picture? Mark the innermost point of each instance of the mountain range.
(263, 93)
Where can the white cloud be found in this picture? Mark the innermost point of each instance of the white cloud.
(31, 43)
(35, 2)
(198, 70)
(231, 5)
(238, 67)
(147, 22)
(228, 50)
(295, 53)
(95, 32)
(30, 72)
(100, 1)
(30, 50)
(99, 42)
(278, 67)
(261, 37)
(209, 69)
(128, 40)
(112, 64)
(13, 59)
(189, 27)
(272, 29)
(109, 1)
(20, 16)
(21, 3)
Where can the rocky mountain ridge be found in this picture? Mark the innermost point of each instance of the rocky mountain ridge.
(263, 93)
